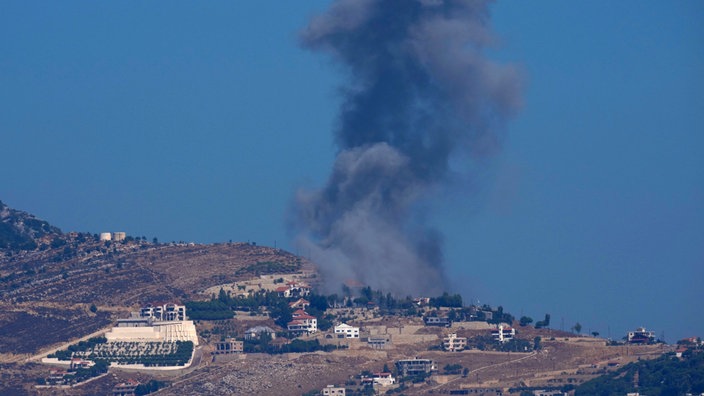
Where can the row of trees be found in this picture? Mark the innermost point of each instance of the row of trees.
(179, 357)
(666, 376)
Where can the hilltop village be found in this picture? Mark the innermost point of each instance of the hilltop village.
(86, 314)
(412, 345)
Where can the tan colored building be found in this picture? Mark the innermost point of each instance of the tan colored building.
(332, 390)
(228, 346)
(452, 343)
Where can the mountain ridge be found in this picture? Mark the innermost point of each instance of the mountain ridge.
(20, 230)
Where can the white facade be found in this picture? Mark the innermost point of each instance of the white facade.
(383, 379)
(641, 336)
(346, 331)
(119, 236)
(105, 236)
(165, 312)
(503, 333)
(160, 323)
(155, 332)
(303, 323)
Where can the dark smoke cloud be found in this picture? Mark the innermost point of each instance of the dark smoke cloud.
(420, 93)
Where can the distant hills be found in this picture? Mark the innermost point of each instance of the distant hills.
(49, 279)
(22, 231)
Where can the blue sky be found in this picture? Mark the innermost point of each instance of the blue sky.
(199, 123)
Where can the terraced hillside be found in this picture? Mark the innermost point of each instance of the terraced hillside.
(50, 292)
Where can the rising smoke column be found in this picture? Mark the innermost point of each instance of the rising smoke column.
(419, 94)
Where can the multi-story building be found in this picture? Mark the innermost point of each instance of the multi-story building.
(164, 312)
(303, 323)
(155, 323)
(346, 331)
(378, 342)
(228, 346)
(452, 343)
(503, 333)
(641, 336)
(436, 321)
(415, 366)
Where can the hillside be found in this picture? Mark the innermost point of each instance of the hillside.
(72, 285)
(22, 231)
(48, 286)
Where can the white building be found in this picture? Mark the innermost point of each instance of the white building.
(641, 336)
(452, 343)
(383, 379)
(303, 323)
(161, 323)
(346, 331)
(332, 390)
(164, 312)
(503, 333)
(105, 236)
(148, 330)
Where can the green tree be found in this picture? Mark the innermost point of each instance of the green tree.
(526, 320)
(93, 308)
(577, 328)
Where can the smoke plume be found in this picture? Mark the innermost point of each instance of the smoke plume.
(419, 94)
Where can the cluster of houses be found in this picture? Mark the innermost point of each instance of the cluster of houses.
(64, 377)
(293, 289)
(376, 380)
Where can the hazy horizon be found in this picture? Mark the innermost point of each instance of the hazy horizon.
(200, 124)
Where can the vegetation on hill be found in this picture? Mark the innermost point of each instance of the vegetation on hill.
(20, 230)
(667, 375)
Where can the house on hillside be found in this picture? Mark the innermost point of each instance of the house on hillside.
(380, 379)
(257, 332)
(415, 366)
(164, 312)
(228, 346)
(503, 333)
(346, 331)
(126, 388)
(640, 336)
(332, 390)
(378, 342)
(293, 290)
(299, 304)
(302, 323)
(437, 321)
(452, 343)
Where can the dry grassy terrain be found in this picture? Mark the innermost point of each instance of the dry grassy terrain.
(46, 299)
